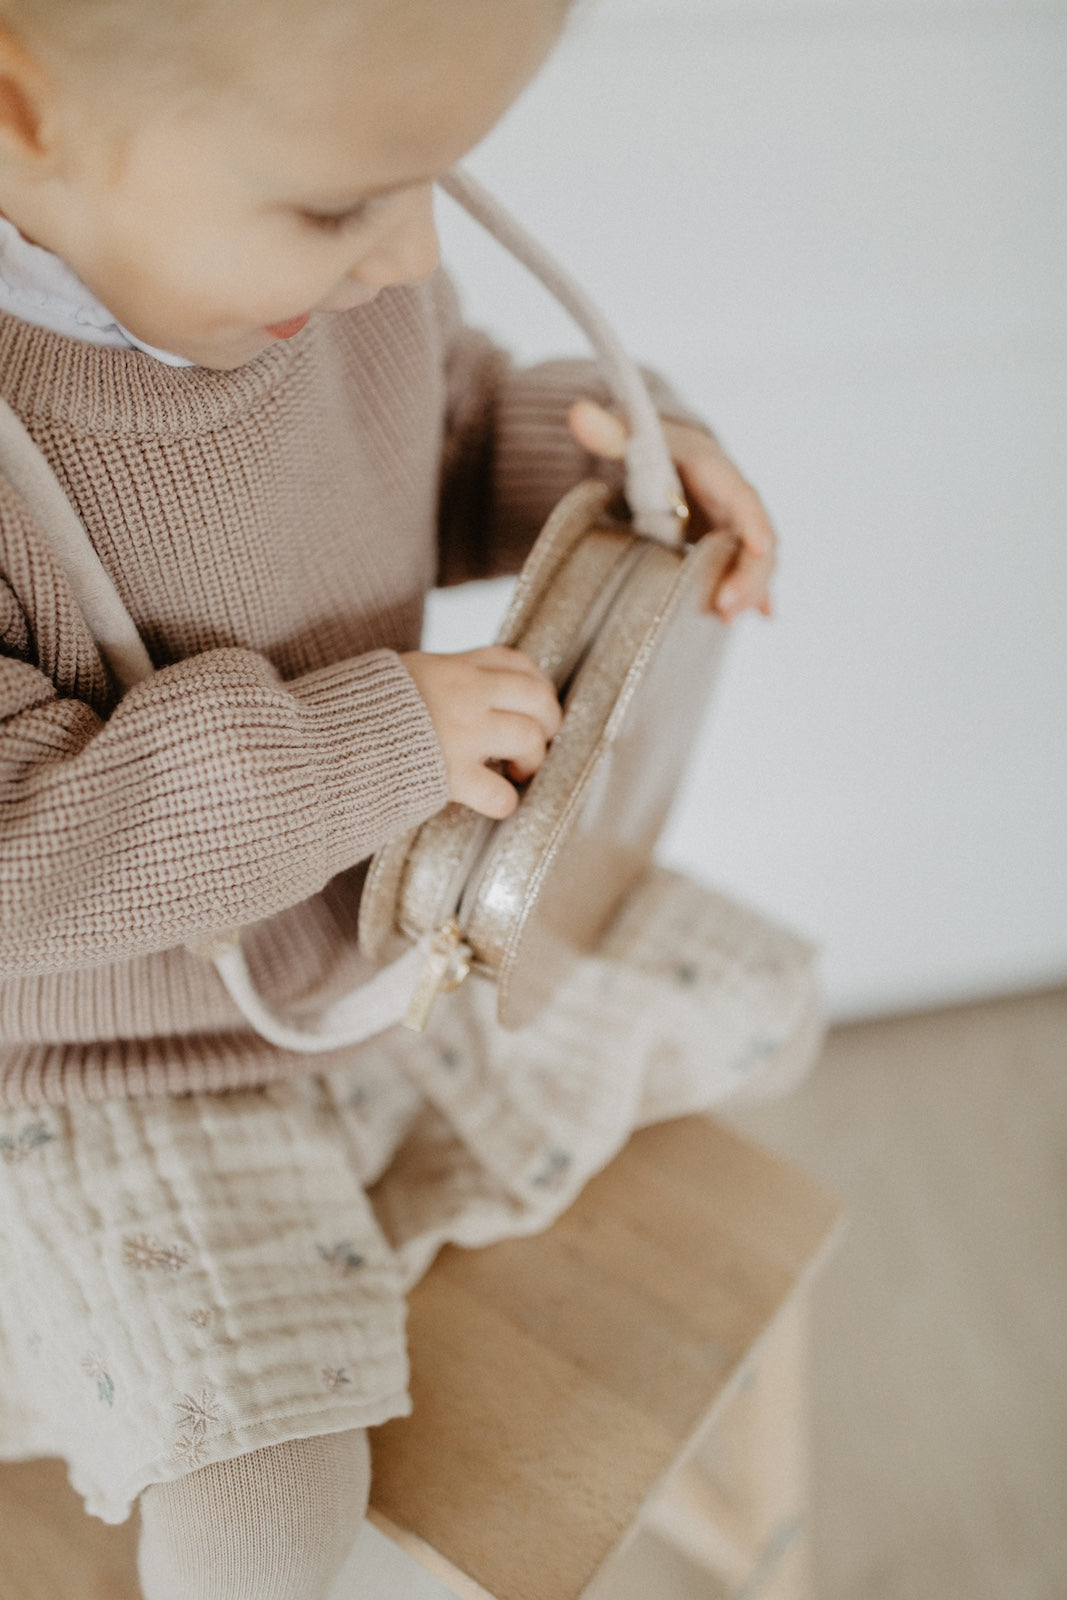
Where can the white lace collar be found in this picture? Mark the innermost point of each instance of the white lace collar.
(39, 287)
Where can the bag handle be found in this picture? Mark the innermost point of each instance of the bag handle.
(653, 491)
(658, 509)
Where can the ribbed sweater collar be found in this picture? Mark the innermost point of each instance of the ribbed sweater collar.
(106, 391)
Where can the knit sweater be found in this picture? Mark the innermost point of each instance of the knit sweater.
(273, 531)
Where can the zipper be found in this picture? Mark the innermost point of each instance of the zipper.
(447, 964)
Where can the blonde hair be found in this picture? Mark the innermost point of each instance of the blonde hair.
(104, 25)
(150, 45)
(178, 45)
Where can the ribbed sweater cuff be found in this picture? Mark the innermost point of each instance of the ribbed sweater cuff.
(378, 759)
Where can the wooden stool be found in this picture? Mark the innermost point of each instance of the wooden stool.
(638, 1365)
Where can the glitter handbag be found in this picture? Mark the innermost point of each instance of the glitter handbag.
(608, 604)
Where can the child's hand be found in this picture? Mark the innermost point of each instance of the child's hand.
(492, 704)
(719, 499)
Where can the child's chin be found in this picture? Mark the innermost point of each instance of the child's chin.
(225, 355)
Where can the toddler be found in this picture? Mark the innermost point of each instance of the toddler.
(223, 322)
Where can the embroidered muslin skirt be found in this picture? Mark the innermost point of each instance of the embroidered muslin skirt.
(186, 1279)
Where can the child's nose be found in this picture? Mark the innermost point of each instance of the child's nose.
(409, 251)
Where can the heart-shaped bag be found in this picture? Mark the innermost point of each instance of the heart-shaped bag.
(614, 619)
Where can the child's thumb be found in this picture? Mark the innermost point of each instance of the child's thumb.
(597, 430)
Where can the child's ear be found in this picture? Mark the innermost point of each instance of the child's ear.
(26, 93)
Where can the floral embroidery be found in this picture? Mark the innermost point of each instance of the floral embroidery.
(201, 1317)
(189, 1447)
(335, 1377)
(144, 1252)
(341, 1257)
(94, 1365)
(195, 1414)
(196, 1411)
(29, 1138)
(554, 1168)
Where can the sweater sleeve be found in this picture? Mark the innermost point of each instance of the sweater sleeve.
(213, 795)
(509, 455)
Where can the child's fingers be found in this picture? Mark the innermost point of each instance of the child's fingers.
(535, 701)
(487, 792)
(746, 581)
(730, 503)
(530, 693)
(502, 655)
(507, 739)
(517, 740)
(745, 584)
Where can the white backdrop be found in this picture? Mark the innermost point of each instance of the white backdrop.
(841, 229)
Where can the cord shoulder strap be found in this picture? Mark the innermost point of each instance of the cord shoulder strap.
(111, 625)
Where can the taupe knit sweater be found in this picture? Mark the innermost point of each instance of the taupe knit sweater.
(273, 531)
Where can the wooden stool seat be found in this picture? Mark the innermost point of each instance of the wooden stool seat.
(637, 1364)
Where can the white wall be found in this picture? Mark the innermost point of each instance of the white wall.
(842, 230)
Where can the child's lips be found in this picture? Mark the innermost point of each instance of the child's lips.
(286, 330)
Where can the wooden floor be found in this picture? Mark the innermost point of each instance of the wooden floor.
(940, 1383)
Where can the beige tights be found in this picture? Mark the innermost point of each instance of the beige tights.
(276, 1524)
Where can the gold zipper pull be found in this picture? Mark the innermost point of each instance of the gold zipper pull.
(447, 964)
